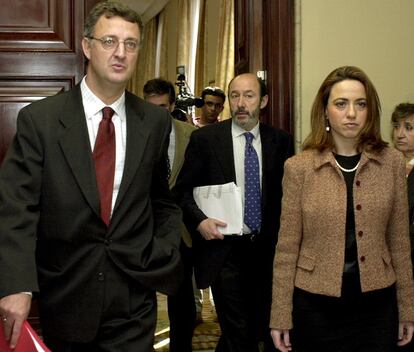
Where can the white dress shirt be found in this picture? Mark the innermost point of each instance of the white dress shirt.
(239, 144)
(171, 145)
(93, 106)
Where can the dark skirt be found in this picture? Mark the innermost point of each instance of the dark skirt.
(354, 322)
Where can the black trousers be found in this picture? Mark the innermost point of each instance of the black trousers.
(128, 319)
(407, 348)
(181, 307)
(242, 299)
(354, 322)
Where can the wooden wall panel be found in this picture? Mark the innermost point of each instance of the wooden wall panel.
(42, 38)
(40, 54)
(38, 25)
(279, 61)
(241, 60)
(16, 94)
(264, 41)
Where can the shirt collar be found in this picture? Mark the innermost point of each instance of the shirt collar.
(94, 105)
(238, 131)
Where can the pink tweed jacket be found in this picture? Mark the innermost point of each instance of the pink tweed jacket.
(311, 246)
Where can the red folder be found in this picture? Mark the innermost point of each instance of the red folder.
(28, 341)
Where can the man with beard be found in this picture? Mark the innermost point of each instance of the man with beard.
(238, 267)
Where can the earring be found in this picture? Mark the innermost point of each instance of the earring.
(327, 128)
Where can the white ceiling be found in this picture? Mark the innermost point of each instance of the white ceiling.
(146, 8)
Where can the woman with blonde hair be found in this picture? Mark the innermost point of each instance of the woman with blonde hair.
(342, 269)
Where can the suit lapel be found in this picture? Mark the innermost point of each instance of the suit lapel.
(223, 149)
(180, 145)
(76, 147)
(137, 137)
(269, 149)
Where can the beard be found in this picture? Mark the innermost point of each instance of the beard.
(249, 122)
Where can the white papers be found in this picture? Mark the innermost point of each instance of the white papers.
(222, 202)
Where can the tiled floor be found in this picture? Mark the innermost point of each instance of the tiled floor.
(206, 334)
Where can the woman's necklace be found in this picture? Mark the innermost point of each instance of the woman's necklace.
(410, 161)
(347, 170)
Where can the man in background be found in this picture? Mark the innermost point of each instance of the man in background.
(238, 267)
(214, 99)
(181, 306)
(86, 216)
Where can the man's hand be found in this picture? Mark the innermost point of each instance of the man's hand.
(14, 310)
(208, 229)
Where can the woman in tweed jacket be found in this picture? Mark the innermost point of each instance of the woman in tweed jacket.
(342, 269)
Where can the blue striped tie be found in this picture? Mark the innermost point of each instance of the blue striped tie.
(252, 202)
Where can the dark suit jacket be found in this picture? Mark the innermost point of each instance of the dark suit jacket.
(208, 161)
(50, 202)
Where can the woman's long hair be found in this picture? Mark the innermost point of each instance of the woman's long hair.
(370, 136)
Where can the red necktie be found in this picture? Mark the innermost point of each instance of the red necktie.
(104, 158)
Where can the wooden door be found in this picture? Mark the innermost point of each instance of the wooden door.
(264, 42)
(40, 55)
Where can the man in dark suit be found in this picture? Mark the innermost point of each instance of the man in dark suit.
(93, 238)
(181, 306)
(238, 267)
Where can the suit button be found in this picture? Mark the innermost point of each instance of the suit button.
(358, 207)
(101, 276)
(362, 258)
(358, 183)
(360, 233)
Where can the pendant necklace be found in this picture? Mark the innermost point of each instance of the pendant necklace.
(347, 170)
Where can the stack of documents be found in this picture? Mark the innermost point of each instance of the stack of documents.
(222, 202)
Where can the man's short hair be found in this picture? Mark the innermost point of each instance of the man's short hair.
(111, 9)
(159, 86)
(216, 91)
(262, 85)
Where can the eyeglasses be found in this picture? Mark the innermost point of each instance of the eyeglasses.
(111, 43)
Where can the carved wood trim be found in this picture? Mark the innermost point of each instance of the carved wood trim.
(16, 94)
(37, 26)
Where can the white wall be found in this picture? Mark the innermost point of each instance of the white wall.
(375, 35)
